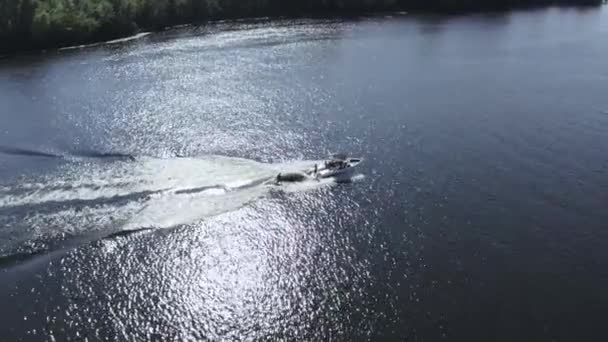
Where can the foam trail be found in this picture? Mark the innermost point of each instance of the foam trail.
(168, 210)
(308, 185)
(88, 201)
(26, 153)
(144, 175)
(238, 183)
(358, 177)
(75, 155)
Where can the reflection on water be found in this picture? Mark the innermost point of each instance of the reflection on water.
(479, 210)
(248, 273)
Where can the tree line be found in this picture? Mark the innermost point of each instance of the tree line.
(36, 24)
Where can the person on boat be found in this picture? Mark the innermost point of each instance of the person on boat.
(332, 164)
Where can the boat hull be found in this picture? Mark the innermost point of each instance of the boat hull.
(339, 173)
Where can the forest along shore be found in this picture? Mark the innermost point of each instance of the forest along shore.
(40, 24)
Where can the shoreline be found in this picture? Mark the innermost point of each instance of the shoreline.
(107, 42)
(346, 14)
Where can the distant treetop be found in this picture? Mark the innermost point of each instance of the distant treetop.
(36, 24)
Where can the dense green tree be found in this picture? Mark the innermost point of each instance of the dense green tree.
(31, 24)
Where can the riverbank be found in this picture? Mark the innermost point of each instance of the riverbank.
(109, 42)
(27, 25)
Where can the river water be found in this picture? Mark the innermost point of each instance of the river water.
(133, 202)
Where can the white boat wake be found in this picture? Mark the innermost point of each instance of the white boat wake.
(94, 199)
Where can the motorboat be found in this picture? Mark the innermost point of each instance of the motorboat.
(339, 167)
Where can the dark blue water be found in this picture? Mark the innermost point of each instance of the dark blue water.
(133, 204)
